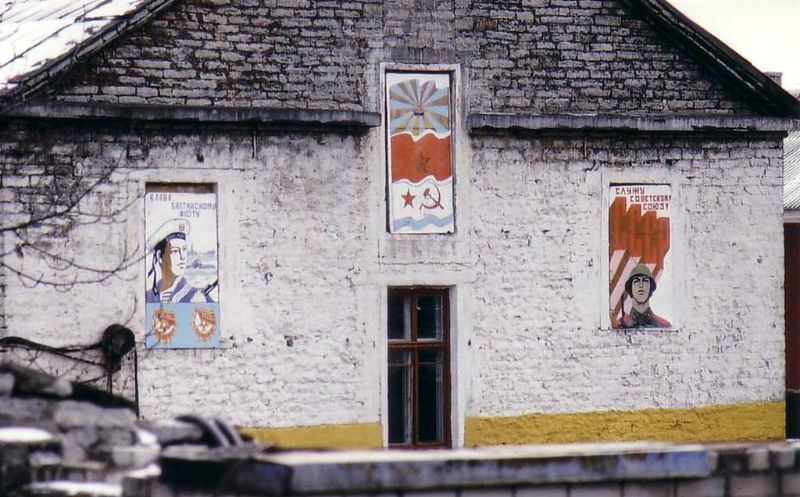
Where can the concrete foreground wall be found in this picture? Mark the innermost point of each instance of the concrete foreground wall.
(614, 470)
(61, 439)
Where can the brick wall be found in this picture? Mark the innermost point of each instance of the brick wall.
(288, 54)
(304, 255)
(542, 56)
(305, 260)
(537, 231)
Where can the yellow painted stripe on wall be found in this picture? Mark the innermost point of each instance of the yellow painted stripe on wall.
(351, 436)
(755, 421)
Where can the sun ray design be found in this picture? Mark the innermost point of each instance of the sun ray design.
(417, 107)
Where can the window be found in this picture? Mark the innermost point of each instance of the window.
(419, 372)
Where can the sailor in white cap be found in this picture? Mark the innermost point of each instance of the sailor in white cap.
(170, 248)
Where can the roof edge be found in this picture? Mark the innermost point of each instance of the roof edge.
(208, 115)
(743, 78)
(487, 122)
(28, 83)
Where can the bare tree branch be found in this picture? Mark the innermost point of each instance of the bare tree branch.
(51, 201)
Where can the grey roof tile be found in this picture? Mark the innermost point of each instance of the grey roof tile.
(33, 32)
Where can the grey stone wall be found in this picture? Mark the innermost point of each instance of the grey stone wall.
(543, 56)
(290, 54)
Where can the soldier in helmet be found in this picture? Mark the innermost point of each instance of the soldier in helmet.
(640, 287)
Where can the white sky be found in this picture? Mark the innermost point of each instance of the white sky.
(765, 32)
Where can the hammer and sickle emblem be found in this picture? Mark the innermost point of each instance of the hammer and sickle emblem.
(431, 202)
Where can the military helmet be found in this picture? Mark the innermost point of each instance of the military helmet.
(640, 270)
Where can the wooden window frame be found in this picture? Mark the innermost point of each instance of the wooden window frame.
(413, 344)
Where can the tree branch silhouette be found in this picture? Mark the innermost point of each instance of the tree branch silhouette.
(40, 217)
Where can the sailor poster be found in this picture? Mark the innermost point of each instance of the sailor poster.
(640, 262)
(182, 290)
(420, 158)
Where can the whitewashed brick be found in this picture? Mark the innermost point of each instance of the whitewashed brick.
(304, 254)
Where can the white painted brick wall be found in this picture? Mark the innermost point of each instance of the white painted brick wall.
(536, 338)
(304, 263)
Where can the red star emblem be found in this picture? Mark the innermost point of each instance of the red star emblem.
(408, 199)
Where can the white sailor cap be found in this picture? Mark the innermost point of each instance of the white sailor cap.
(172, 228)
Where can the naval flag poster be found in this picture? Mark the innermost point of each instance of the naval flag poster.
(181, 291)
(640, 262)
(420, 158)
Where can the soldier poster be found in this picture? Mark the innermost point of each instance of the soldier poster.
(420, 168)
(182, 291)
(640, 266)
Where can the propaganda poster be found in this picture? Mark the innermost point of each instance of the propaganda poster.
(420, 168)
(182, 292)
(640, 266)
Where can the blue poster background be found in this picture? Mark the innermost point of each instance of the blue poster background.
(185, 336)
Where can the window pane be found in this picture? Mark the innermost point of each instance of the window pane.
(399, 397)
(431, 396)
(399, 358)
(399, 326)
(429, 317)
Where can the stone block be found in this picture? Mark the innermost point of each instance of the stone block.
(135, 456)
(118, 436)
(171, 432)
(35, 382)
(610, 489)
(487, 492)
(72, 451)
(71, 414)
(137, 487)
(74, 489)
(790, 484)
(706, 487)
(543, 491)
(25, 436)
(648, 489)
(117, 417)
(754, 486)
(433, 493)
(782, 456)
(758, 459)
(84, 436)
(6, 383)
(83, 471)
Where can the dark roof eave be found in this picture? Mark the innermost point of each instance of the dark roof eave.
(740, 76)
(197, 115)
(484, 123)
